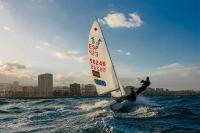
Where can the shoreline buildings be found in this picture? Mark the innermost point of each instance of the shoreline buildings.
(45, 85)
(75, 89)
(45, 89)
(89, 90)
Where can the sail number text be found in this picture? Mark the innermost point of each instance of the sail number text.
(93, 49)
(98, 65)
(94, 46)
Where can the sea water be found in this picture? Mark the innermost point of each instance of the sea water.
(155, 114)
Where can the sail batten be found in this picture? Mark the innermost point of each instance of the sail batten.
(102, 68)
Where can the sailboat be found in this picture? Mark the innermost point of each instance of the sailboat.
(101, 65)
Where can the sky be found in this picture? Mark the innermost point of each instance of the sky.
(160, 39)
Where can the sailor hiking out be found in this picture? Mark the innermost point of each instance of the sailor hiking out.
(103, 71)
(133, 94)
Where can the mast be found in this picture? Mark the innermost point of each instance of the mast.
(109, 55)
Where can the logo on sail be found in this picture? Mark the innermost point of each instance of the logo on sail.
(96, 74)
(95, 40)
(95, 29)
(100, 82)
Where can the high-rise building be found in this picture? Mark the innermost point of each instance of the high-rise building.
(4, 89)
(45, 85)
(15, 83)
(75, 89)
(90, 90)
(61, 91)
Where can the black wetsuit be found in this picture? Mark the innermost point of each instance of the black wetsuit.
(145, 84)
(132, 95)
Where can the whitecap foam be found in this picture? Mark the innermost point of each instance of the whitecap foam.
(140, 112)
(59, 108)
(92, 106)
(144, 112)
(97, 113)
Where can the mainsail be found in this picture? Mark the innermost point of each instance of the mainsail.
(103, 72)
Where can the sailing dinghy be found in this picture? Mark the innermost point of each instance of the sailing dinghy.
(102, 68)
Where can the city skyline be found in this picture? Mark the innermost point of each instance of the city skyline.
(45, 89)
(51, 37)
(15, 90)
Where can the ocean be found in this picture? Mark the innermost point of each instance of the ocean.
(155, 114)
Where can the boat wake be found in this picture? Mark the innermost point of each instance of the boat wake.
(139, 113)
(141, 108)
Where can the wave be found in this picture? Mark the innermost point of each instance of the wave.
(140, 112)
(91, 106)
(149, 114)
(3, 102)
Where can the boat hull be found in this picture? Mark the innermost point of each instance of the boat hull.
(124, 106)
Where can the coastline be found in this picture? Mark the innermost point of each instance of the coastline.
(77, 97)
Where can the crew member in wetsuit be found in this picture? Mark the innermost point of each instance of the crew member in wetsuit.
(132, 95)
(145, 84)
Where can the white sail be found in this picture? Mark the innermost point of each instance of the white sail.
(100, 62)
(119, 93)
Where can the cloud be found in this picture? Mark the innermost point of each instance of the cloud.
(6, 28)
(62, 55)
(136, 20)
(72, 77)
(13, 68)
(128, 54)
(73, 52)
(119, 51)
(37, 47)
(1, 7)
(115, 20)
(124, 52)
(12, 71)
(81, 59)
(177, 76)
(44, 43)
(61, 79)
(71, 55)
(172, 66)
